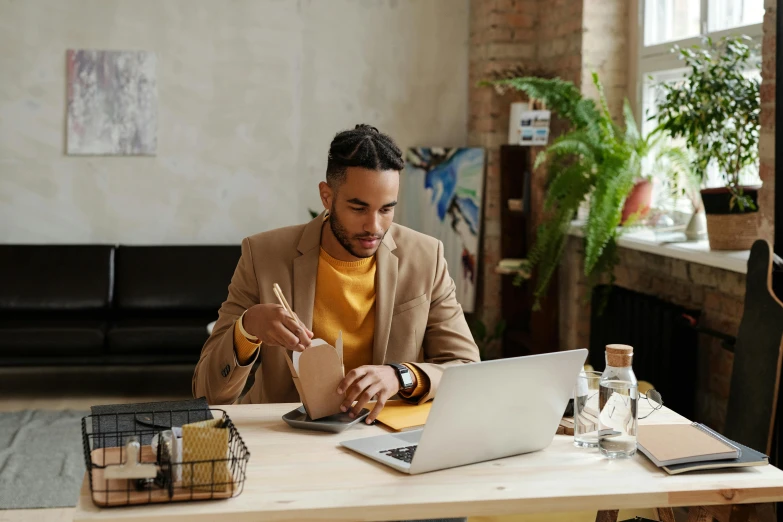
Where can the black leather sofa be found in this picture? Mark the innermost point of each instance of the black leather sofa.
(104, 304)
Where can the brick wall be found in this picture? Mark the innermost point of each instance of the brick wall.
(540, 35)
(565, 38)
(767, 139)
(560, 31)
(605, 48)
(502, 36)
(718, 293)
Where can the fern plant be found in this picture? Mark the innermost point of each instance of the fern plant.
(596, 158)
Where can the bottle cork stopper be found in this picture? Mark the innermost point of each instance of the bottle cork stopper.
(619, 349)
(619, 355)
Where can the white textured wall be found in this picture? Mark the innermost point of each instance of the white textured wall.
(250, 94)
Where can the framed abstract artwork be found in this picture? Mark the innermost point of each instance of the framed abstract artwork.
(112, 103)
(441, 195)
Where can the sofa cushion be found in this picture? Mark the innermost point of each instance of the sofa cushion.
(47, 338)
(55, 278)
(159, 336)
(173, 280)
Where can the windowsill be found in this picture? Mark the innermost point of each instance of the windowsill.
(675, 245)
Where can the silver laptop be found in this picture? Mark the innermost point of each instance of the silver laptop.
(484, 411)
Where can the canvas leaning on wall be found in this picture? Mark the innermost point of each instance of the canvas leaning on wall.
(441, 194)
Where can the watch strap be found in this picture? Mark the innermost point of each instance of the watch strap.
(404, 375)
(421, 380)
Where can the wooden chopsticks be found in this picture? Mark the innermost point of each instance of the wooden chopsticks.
(284, 303)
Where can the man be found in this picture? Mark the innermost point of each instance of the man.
(386, 287)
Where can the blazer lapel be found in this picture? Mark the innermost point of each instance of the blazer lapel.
(385, 290)
(306, 271)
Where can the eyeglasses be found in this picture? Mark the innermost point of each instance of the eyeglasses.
(654, 399)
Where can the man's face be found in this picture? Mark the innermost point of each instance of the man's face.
(361, 208)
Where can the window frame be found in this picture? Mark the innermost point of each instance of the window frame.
(658, 58)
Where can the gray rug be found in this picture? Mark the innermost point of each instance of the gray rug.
(41, 458)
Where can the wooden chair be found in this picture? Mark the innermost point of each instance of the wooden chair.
(755, 378)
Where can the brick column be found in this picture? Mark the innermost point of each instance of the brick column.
(565, 38)
(605, 48)
(560, 32)
(502, 36)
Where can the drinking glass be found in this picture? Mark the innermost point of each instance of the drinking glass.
(586, 394)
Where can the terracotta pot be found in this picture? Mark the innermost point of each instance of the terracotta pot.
(638, 200)
(727, 228)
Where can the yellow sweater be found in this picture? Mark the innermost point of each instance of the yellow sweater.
(344, 300)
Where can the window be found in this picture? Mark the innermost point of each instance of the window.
(667, 20)
(665, 23)
(727, 14)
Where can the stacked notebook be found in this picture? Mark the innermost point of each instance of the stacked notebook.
(678, 448)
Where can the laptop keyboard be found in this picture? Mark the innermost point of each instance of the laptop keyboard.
(404, 454)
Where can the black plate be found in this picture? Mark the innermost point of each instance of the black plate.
(334, 423)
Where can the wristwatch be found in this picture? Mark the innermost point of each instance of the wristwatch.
(404, 375)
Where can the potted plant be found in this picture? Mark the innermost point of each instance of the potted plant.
(488, 342)
(596, 158)
(661, 157)
(715, 110)
(638, 202)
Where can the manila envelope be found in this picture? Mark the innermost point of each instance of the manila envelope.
(317, 372)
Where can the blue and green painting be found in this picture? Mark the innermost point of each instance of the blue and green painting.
(441, 196)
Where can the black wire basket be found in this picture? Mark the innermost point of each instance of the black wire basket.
(106, 436)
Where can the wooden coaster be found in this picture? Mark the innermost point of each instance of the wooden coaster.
(566, 426)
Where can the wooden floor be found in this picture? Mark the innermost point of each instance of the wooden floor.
(79, 388)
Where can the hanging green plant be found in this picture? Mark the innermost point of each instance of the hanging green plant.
(596, 158)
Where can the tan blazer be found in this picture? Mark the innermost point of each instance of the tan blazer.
(418, 319)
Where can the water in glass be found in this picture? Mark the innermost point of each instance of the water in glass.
(618, 403)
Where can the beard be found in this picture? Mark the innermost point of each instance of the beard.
(344, 238)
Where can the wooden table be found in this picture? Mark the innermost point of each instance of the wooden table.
(304, 475)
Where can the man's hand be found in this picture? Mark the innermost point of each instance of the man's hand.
(272, 324)
(366, 382)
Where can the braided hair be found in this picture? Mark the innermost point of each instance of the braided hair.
(364, 146)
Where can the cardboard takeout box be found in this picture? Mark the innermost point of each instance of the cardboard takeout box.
(317, 372)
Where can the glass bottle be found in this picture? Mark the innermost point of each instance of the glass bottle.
(618, 402)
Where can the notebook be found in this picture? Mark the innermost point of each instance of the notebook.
(748, 457)
(671, 444)
(401, 416)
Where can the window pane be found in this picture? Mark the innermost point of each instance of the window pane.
(667, 20)
(652, 94)
(665, 195)
(726, 14)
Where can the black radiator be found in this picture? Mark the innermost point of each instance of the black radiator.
(664, 344)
